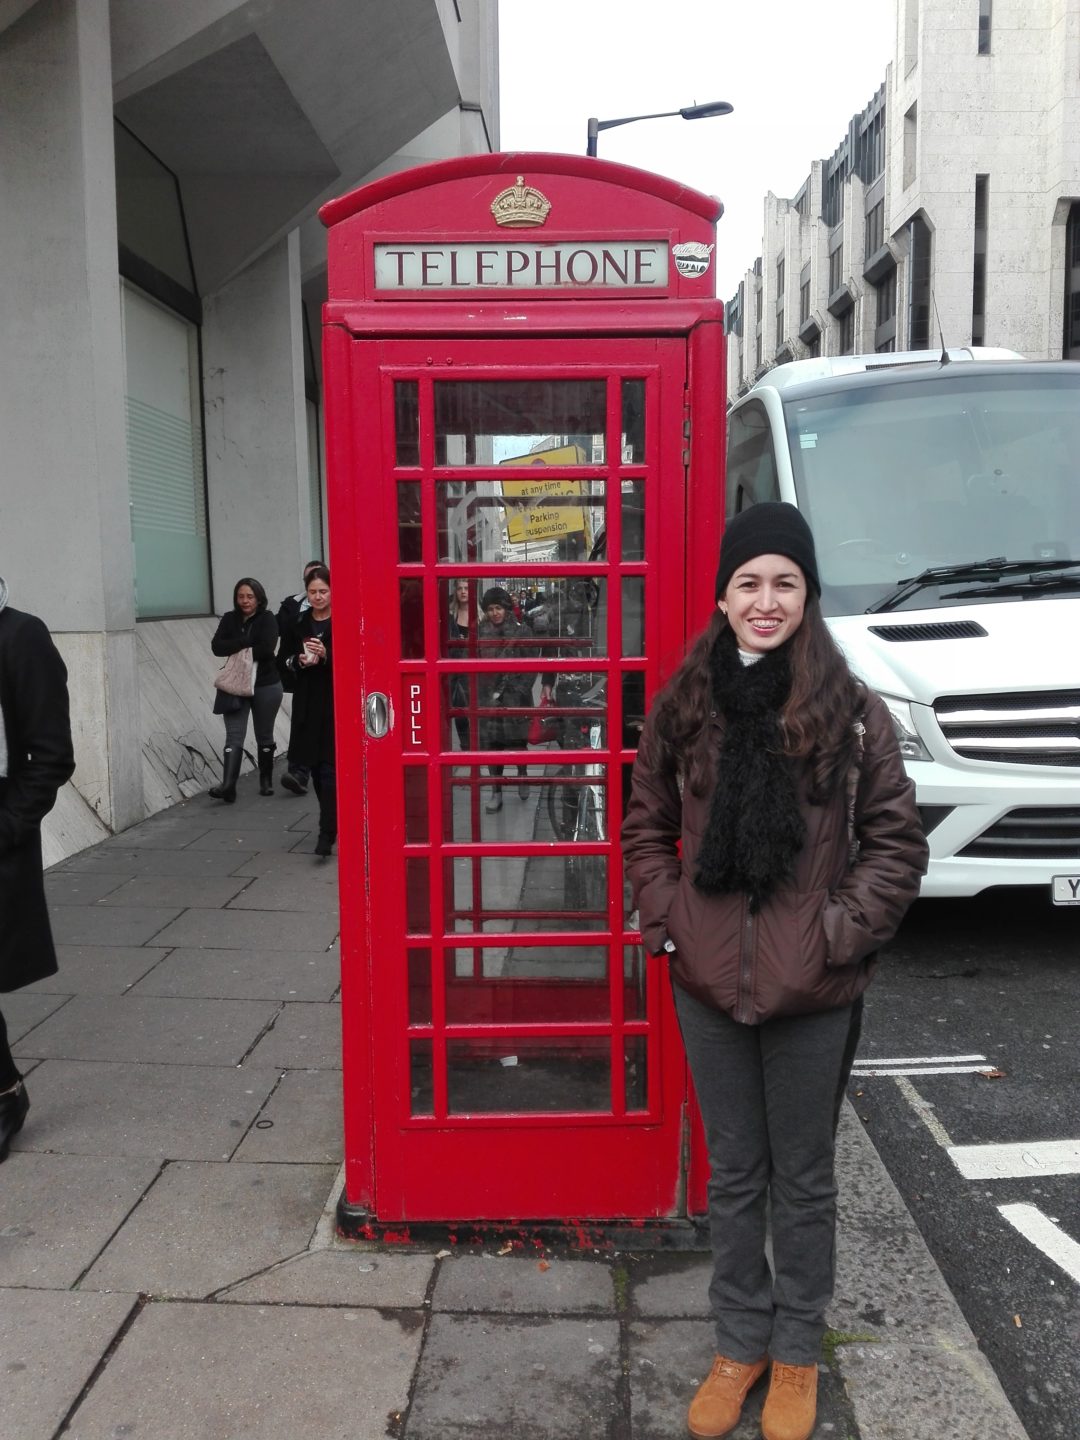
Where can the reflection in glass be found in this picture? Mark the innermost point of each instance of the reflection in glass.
(633, 519)
(417, 897)
(633, 708)
(527, 892)
(416, 805)
(531, 1076)
(633, 615)
(634, 998)
(419, 987)
(633, 422)
(560, 620)
(635, 1070)
(407, 421)
(489, 422)
(422, 1097)
(526, 984)
(538, 520)
(566, 803)
(412, 618)
(410, 549)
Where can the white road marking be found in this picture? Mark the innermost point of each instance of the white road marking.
(922, 1060)
(871, 1070)
(1013, 1162)
(925, 1111)
(1062, 1249)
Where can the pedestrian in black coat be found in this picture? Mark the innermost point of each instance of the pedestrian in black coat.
(295, 779)
(248, 625)
(309, 659)
(35, 761)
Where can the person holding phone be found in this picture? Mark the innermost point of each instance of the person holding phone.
(309, 660)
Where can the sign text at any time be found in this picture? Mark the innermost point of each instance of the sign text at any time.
(617, 264)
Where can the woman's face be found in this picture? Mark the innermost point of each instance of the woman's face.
(764, 602)
(461, 592)
(245, 600)
(318, 594)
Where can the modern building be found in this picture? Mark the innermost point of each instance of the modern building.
(950, 208)
(163, 267)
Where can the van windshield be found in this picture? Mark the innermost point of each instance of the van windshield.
(911, 475)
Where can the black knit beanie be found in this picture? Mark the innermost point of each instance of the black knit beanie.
(772, 528)
(496, 596)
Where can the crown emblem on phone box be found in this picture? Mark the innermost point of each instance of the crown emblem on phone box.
(520, 205)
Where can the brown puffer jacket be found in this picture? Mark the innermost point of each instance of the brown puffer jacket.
(811, 946)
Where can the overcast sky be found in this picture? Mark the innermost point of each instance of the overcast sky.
(795, 70)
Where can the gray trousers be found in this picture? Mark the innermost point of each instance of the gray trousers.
(262, 707)
(768, 1099)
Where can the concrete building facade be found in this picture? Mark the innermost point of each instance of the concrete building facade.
(160, 171)
(952, 205)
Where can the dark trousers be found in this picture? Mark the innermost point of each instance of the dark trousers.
(262, 707)
(768, 1097)
(324, 781)
(9, 1072)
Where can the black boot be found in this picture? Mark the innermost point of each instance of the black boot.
(266, 769)
(232, 759)
(326, 790)
(13, 1107)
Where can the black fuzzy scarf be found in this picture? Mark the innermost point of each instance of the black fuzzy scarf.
(755, 829)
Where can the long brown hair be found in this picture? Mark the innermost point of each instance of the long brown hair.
(816, 719)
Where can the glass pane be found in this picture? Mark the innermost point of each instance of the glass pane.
(407, 421)
(410, 548)
(412, 619)
(526, 984)
(633, 519)
(420, 1078)
(633, 422)
(417, 897)
(531, 1076)
(636, 1072)
(534, 803)
(488, 422)
(416, 805)
(633, 615)
(633, 708)
(419, 987)
(536, 521)
(527, 892)
(501, 710)
(557, 619)
(634, 999)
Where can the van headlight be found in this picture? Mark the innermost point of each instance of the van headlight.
(911, 746)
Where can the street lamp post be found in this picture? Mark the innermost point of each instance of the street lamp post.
(688, 112)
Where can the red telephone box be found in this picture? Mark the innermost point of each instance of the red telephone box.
(524, 383)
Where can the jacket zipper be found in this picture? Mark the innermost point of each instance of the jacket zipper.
(744, 1008)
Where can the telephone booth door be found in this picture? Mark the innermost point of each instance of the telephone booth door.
(511, 1051)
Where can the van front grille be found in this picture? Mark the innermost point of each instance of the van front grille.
(1031, 834)
(1025, 728)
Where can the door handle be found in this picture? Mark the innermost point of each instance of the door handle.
(377, 715)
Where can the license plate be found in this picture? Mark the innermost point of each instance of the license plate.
(1065, 889)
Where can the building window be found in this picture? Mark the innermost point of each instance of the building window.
(919, 257)
(911, 35)
(813, 350)
(836, 269)
(804, 299)
(911, 136)
(885, 329)
(978, 278)
(1071, 340)
(985, 7)
(780, 283)
(779, 328)
(757, 350)
(163, 407)
(875, 229)
(847, 332)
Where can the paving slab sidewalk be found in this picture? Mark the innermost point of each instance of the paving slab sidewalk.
(168, 1260)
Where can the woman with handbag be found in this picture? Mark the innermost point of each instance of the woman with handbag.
(309, 659)
(249, 684)
(773, 846)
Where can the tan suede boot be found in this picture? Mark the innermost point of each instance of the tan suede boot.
(715, 1409)
(790, 1409)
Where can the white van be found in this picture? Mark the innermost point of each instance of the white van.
(945, 504)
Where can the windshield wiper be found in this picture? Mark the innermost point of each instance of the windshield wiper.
(989, 570)
(1034, 585)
